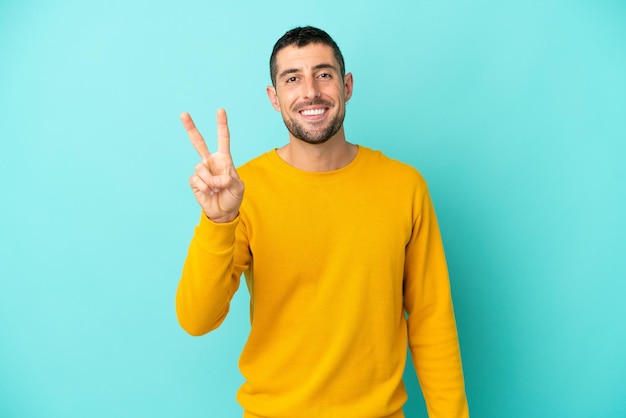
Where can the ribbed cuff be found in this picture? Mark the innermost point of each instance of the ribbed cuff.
(216, 237)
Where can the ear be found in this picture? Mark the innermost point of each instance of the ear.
(271, 94)
(348, 82)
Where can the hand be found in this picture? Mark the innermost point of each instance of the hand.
(215, 184)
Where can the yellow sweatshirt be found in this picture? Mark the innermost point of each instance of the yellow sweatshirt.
(335, 263)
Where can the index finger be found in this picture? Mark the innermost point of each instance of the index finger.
(223, 134)
(194, 135)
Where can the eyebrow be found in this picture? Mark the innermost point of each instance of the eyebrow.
(315, 68)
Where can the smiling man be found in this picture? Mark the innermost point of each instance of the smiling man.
(341, 253)
(323, 115)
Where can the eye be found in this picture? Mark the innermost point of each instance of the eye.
(326, 75)
(290, 80)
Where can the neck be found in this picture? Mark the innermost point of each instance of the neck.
(331, 155)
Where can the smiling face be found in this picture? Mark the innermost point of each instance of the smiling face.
(310, 92)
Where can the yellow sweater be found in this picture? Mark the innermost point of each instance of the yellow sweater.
(332, 260)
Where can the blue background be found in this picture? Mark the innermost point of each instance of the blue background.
(515, 112)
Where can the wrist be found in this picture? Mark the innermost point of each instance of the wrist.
(222, 219)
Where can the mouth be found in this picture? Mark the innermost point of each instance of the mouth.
(315, 110)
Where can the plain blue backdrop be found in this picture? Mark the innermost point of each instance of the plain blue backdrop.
(514, 111)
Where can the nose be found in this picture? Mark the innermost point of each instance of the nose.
(311, 89)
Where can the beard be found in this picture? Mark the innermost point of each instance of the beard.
(317, 134)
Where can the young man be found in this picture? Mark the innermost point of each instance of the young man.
(341, 253)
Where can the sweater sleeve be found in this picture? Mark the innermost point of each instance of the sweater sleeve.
(210, 276)
(433, 339)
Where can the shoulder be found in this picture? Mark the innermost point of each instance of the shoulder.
(394, 169)
(255, 166)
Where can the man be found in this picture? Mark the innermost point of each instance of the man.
(339, 245)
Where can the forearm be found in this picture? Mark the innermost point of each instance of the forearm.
(209, 279)
(437, 360)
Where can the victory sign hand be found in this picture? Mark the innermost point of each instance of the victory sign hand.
(215, 183)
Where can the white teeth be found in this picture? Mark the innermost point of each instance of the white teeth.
(313, 112)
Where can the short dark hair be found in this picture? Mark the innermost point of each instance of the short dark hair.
(301, 37)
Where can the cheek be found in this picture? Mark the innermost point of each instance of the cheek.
(335, 91)
(287, 101)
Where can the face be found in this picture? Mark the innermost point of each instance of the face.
(310, 93)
